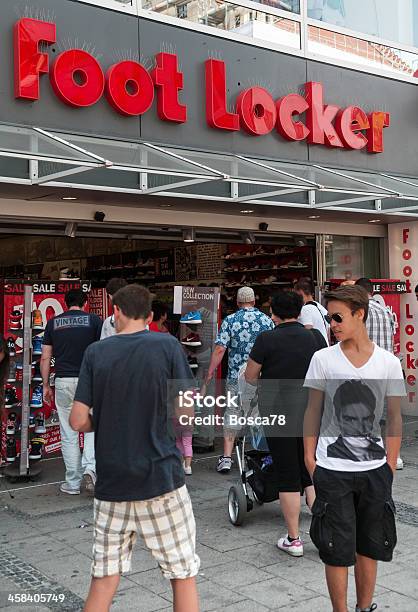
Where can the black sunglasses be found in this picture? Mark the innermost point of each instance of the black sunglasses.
(335, 317)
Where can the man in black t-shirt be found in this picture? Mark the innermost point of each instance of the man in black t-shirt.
(66, 338)
(282, 358)
(125, 386)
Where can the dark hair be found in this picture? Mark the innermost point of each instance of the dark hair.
(114, 285)
(134, 301)
(75, 297)
(305, 285)
(416, 289)
(159, 309)
(354, 296)
(366, 283)
(286, 305)
(353, 392)
(4, 367)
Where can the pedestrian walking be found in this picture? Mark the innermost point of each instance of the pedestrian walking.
(66, 338)
(160, 314)
(123, 395)
(312, 315)
(237, 335)
(112, 286)
(353, 519)
(281, 358)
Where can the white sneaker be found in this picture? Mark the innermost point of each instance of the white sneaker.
(224, 465)
(187, 469)
(399, 463)
(295, 548)
(65, 488)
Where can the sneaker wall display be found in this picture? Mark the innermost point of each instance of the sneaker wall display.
(199, 308)
(42, 423)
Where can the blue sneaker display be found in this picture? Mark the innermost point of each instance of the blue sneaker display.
(191, 318)
(37, 345)
(37, 397)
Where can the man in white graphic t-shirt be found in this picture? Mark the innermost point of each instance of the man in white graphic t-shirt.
(353, 520)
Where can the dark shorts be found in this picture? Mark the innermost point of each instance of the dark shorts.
(353, 513)
(289, 464)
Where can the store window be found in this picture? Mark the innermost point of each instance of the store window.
(182, 11)
(351, 257)
(395, 20)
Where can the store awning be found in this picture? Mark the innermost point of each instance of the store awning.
(51, 158)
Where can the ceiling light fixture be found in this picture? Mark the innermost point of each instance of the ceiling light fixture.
(189, 234)
(165, 205)
(375, 220)
(314, 216)
(69, 198)
(246, 211)
(70, 229)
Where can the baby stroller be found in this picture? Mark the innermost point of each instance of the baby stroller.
(255, 465)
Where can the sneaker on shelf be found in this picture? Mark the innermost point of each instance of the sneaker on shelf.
(11, 346)
(293, 548)
(191, 339)
(11, 424)
(89, 481)
(37, 397)
(10, 449)
(65, 488)
(192, 362)
(37, 345)
(12, 372)
(191, 318)
(15, 319)
(399, 463)
(187, 469)
(37, 376)
(64, 274)
(36, 446)
(10, 397)
(224, 465)
(19, 372)
(31, 421)
(19, 349)
(40, 423)
(37, 321)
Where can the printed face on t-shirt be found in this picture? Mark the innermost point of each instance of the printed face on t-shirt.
(356, 420)
(350, 323)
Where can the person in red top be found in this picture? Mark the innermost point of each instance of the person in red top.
(160, 313)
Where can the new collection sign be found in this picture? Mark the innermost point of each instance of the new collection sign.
(79, 81)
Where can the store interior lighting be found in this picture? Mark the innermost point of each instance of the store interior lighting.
(248, 238)
(189, 234)
(70, 229)
(300, 241)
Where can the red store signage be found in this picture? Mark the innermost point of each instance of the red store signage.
(79, 81)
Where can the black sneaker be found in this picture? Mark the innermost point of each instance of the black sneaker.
(10, 398)
(36, 445)
(11, 346)
(40, 423)
(37, 376)
(11, 449)
(11, 424)
(192, 362)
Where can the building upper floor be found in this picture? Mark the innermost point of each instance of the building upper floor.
(376, 36)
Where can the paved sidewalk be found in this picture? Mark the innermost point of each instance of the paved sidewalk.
(45, 545)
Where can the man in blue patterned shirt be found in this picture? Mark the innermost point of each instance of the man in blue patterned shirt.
(237, 334)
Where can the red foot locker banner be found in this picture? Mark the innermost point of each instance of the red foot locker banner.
(403, 261)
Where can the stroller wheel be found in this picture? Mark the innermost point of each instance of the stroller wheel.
(237, 505)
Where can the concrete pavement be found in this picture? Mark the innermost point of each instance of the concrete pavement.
(45, 546)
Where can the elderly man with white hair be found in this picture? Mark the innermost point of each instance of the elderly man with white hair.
(237, 335)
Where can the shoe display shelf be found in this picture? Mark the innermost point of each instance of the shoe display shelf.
(190, 322)
(267, 266)
(23, 394)
(134, 266)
